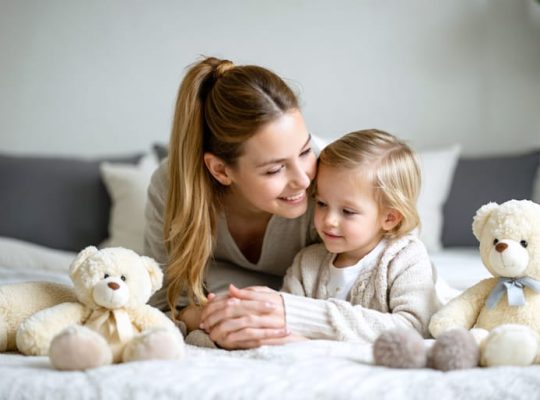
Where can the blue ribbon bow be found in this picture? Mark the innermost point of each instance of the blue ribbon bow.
(514, 290)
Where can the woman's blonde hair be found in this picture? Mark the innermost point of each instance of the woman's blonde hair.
(219, 107)
(390, 165)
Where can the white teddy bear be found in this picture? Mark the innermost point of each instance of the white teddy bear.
(503, 311)
(496, 321)
(109, 322)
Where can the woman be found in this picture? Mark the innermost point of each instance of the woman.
(230, 205)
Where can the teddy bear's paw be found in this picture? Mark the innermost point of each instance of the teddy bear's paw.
(400, 348)
(200, 338)
(454, 349)
(32, 341)
(163, 344)
(441, 322)
(79, 348)
(509, 345)
(479, 334)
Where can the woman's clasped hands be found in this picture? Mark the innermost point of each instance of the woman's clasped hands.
(246, 318)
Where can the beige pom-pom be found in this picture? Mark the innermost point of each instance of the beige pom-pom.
(454, 349)
(400, 348)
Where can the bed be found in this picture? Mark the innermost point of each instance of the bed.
(41, 231)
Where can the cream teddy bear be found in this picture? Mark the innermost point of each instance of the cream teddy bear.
(108, 322)
(21, 300)
(496, 321)
(503, 311)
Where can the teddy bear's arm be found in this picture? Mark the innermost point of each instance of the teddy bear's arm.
(34, 335)
(462, 312)
(148, 317)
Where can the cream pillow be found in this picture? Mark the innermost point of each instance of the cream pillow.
(127, 185)
(438, 168)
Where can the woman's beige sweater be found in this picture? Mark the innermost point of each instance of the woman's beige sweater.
(397, 291)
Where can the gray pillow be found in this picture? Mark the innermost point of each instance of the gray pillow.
(55, 202)
(480, 180)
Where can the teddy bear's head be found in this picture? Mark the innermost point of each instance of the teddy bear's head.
(509, 236)
(114, 277)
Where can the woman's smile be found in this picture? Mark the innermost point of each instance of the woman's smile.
(294, 199)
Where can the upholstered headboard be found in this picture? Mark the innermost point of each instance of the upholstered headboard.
(56, 202)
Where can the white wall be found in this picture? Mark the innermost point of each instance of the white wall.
(100, 77)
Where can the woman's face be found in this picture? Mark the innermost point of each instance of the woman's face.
(276, 168)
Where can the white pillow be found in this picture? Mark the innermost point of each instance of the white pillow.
(127, 185)
(20, 255)
(438, 168)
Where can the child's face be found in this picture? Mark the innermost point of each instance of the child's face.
(347, 216)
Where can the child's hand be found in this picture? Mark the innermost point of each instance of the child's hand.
(244, 318)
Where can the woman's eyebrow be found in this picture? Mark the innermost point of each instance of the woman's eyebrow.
(280, 160)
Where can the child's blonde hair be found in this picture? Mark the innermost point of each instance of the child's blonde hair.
(389, 164)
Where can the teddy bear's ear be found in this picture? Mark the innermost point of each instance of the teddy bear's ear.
(481, 218)
(81, 258)
(156, 276)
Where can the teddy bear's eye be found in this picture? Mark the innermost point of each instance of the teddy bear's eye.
(495, 241)
(123, 278)
(106, 276)
(524, 243)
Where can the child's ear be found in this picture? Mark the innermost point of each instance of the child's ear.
(217, 168)
(391, 218)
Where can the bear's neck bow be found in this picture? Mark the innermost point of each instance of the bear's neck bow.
(110, 323)
(514, 290)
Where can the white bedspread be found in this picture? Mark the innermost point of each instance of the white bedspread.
(311, 370)
(460, 267)
(307, 370)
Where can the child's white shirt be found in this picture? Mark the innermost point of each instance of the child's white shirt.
(341, 280)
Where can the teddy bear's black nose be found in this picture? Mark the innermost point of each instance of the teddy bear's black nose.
(501, 247)
(113, 285)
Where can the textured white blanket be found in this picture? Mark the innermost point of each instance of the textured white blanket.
(310, 370)
(306, 370)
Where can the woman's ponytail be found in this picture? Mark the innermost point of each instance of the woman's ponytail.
(191, 209)
(219, 107)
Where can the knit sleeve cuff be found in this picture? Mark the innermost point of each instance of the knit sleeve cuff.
(307, 317)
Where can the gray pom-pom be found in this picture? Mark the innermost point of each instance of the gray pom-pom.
(454, 349)
(400, 348)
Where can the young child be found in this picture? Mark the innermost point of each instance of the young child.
(371, 273)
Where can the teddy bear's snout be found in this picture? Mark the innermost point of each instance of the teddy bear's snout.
(111, 293)
(508, 258)
(500, 247)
